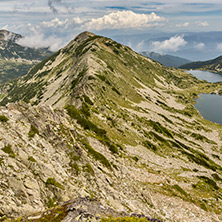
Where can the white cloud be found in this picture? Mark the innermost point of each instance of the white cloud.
(140, 46)
(172, 44)
(62, 24)
(52, 34)
(54, 23)
(122, 20)
(199, 46)
(39, 41)
(202, 24)
(78, 20)
(183, 25)
(219, 47)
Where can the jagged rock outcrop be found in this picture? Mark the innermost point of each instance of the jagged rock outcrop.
(104, 122)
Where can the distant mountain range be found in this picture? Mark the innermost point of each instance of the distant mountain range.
(199, 46)
(213, 65)
(16, 60)
(166, 59)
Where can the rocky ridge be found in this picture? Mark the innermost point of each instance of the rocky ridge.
(109, 124)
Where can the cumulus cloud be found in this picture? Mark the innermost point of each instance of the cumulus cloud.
(54, 23)
(183, 25)
(219, 47)
(43, 35)
(199, 46)
(172, 44)
(202, 24)
(140, 46)
(122, 20)
(39, 41)
(75, 22)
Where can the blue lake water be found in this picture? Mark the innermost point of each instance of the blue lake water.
(209, 105)
(205, 75)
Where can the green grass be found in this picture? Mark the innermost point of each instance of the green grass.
(149, 145)
(33, 130)
(78, 78)
(179, 189)
(116, 91)
(96, 155)
(54, 214)
(199, 137)
(87, 100)
(10, 70)
(32, 159)
(40, 65)
(88, 125)
(201, 159)
(160, 129)
(53, 182)
(81, 49)
(8, 149)
(88, 168)
(104, 79)
(124, 219)
(85, 123)
(3, 118)
(209, 181)
(75, 168)
(51, 203)
(85, 109)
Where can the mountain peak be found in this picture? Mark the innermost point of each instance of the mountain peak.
(6, 35)
(84, 35)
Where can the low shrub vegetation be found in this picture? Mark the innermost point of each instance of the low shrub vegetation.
(3, 118)
(53, 182)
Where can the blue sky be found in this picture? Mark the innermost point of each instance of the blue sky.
(58, 21)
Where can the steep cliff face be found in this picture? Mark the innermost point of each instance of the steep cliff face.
(112, 125)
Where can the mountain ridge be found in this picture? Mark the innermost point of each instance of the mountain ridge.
(6, 35)
(99, 122)
(166, 59)
(213, 65)
(16, 60)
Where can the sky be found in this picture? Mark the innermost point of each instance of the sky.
(54, 23)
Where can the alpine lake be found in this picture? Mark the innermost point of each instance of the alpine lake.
(209, 105)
